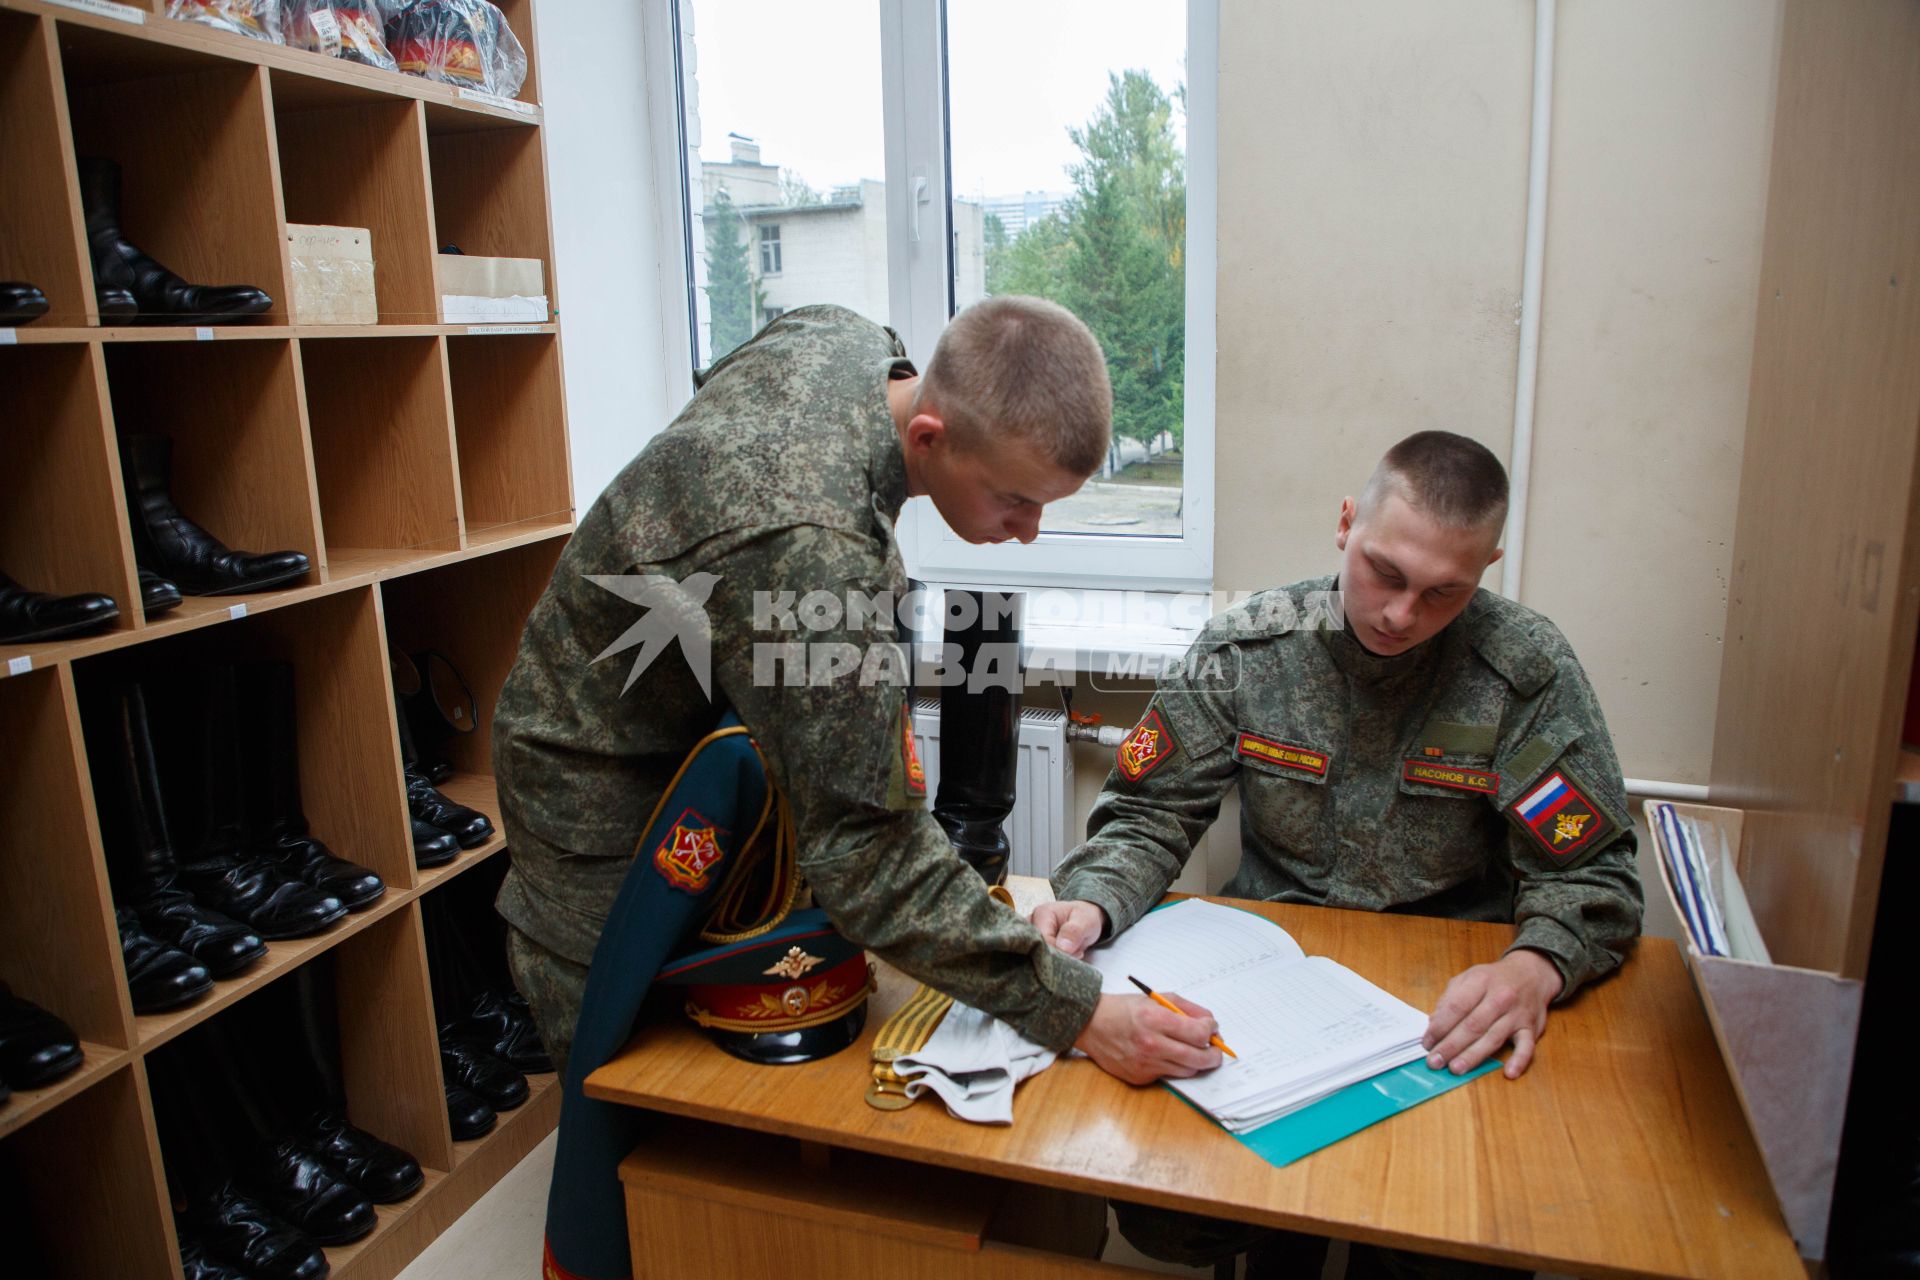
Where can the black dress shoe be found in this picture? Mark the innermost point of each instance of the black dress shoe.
(242, 1232)
(223, 946)
(170, 544)
(312, 863)
(20, 303)
(116, 304)
(36, 1048)
(293, 1182)
(432, 847)
(34, 615)
(468, 1114)
(157, 595)
(198, 1264)
(159, 977)
(474, 1068)
(506, 1032)
(262, 896)
(382, 1172)
(468, 826)
(163, 297)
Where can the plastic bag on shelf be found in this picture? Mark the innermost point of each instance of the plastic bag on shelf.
(350, 29)
(259, 19)
(466, 43)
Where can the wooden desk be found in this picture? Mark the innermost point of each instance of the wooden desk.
(1622, 1152)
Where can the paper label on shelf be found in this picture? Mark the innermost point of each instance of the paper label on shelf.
(236, 612)
(327, 29)
(503, 328)
(107, 9)
(495, 100)
(20, 666)
(201, 333)
(8, 337)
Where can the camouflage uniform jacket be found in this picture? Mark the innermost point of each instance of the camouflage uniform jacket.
(1472, 778)
(783, 474)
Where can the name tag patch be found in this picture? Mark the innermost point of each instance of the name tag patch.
(1145, 748)
(1448, 775)
(1560, 817)
(1252, 746)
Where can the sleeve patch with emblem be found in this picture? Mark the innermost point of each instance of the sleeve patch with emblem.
(1447, 775)
(1560, 817)
(1145, 748)
(1252, 746)
(688, 853)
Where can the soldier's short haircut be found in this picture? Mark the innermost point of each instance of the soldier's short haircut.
(1451, 478)
(1020, 368)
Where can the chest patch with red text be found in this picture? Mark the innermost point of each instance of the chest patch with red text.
(1251, 746)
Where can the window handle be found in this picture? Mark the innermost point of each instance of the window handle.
(918, 198)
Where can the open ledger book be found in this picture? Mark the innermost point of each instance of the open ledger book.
(1304, 1026)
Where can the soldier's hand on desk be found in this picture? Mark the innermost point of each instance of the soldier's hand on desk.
(1070, 926)
(1488, 1005)
(1137, 1040)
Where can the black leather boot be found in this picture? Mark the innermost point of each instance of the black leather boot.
(468, 1114)
(469, 827)
(167, 542)
(34, 615)
(159, 977)
(474, 1068)
(438, 704)
(277, 824)
(162, 296)
(292, 1182)
(242, 1232)
(224, 873)
(980, 729)
(140, 857)
(197, 1264)
(382, 1172)
(36, 1048)
(20, 302)
(503, 1029)
(157, 595)
(432, 847)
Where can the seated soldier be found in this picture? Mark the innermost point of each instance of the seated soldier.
(1430, 748)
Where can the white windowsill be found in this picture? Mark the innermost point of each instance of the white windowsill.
(1118, 634)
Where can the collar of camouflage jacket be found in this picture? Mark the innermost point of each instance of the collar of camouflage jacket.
(886, 463)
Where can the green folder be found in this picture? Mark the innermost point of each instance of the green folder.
(1339, 1115)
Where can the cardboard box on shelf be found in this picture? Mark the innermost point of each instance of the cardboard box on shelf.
(482, 290)
(332, 275)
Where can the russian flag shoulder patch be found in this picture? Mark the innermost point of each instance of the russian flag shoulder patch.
(1560, 816)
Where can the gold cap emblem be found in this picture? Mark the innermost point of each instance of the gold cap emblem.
(793, 964)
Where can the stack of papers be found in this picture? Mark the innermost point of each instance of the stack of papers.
(1685, 853)
(1303, 1026)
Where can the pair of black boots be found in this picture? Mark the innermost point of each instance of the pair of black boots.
(249, 868)
(36, 1048)
(485, 1058)
(175, 554)
(434, 701)
(129, 284)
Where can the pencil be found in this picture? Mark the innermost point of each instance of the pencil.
(1161, 1000)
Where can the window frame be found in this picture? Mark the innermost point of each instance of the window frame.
(769, 242)
(920, 272)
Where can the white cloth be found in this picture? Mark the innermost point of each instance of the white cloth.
(973, 1061)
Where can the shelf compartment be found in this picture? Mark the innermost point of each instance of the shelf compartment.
(241, 465)
(362, 162)
(194, 139)
(40, 236)
(473, 611)
(510, 430)
(490, 195)
(63, 524)
(390, 1056)
(58, 944)
(92, 1161)
(382, 444)
(27, 1105)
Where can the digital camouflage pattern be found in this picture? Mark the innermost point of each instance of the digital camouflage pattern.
(784, 473)
(1472, 778)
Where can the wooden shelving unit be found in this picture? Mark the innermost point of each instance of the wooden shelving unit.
(422, 466)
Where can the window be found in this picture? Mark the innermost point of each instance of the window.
(950, 152)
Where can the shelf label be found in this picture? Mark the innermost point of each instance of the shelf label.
(201, 333)
(502, 328)
(495, 100)
(8, 337)
(236, 612)
(107, 9)
(20, 666)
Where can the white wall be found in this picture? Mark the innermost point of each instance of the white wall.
(607, 241)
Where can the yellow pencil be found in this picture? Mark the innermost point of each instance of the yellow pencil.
(1161, 1000)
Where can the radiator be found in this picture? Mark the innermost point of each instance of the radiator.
(1041, 827)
